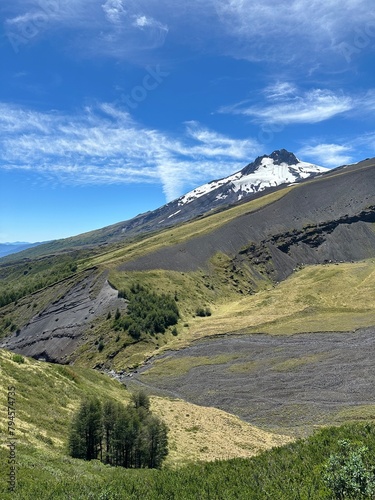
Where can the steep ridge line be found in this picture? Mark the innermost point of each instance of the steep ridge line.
(316, 202)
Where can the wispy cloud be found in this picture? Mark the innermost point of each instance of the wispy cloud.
(284, 104)
(104, 145)
(114, 10)
(253, 29)
(328, 155)
(114, 28)
(297, 29)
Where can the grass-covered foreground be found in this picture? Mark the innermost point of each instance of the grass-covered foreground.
(42, 400)
(294, 471)
(47, 395)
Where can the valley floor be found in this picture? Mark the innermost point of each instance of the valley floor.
(289, 384)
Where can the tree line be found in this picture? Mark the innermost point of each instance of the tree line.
(127, 436)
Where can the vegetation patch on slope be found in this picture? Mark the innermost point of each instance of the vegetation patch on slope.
(289, 472)
(47, 396)
(332, 297)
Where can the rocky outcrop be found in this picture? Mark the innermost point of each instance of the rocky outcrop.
(57, 331)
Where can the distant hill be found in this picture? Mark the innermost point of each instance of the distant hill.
(11, 248)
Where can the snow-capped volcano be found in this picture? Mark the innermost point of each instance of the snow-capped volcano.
(281, 167)
(266, 172)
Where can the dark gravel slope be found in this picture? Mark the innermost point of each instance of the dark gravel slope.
(284, 383)
(346, 199)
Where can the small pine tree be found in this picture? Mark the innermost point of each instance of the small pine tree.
(86, 432)
(140, 400)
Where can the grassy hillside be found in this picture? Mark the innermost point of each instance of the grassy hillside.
(224, 263)
(47, 395)
(289, 472)
(333, 297)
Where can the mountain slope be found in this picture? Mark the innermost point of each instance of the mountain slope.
(207, 262)
(265, 173)
(280, 167)
(323, 219)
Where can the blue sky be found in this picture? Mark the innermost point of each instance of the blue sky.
(109, 108)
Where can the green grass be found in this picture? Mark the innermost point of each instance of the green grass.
(289, 472)
(173, 367)
(295, 363)
(46, 397)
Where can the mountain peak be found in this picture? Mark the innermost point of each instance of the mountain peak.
(283, 156)
(267, 171)
(278, 157)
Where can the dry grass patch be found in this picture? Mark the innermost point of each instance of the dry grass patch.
(207, 434)
(336, 297)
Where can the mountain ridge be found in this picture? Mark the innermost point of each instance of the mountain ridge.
(265, 173)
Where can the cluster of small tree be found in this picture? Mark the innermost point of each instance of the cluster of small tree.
(147, 312)
(203, 311)
(128, 436)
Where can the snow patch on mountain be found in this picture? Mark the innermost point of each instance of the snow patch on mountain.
(263, 173)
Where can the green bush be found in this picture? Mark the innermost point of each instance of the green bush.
(17, 358)
(203, 311)
(348, 473)
(148, 313)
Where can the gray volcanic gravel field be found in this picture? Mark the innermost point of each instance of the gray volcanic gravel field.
(279, 382)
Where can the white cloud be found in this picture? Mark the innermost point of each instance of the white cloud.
(284, 105)
(280, 90)
(104, 145)
(253, 29)
(293, 30)
(144, 21)
(114, 10)
(328, 155)
(113, 28)
(312, 107)
(216, 145)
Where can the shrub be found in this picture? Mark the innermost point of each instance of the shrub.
(203, 312)
(17, 358)
(348, 473)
